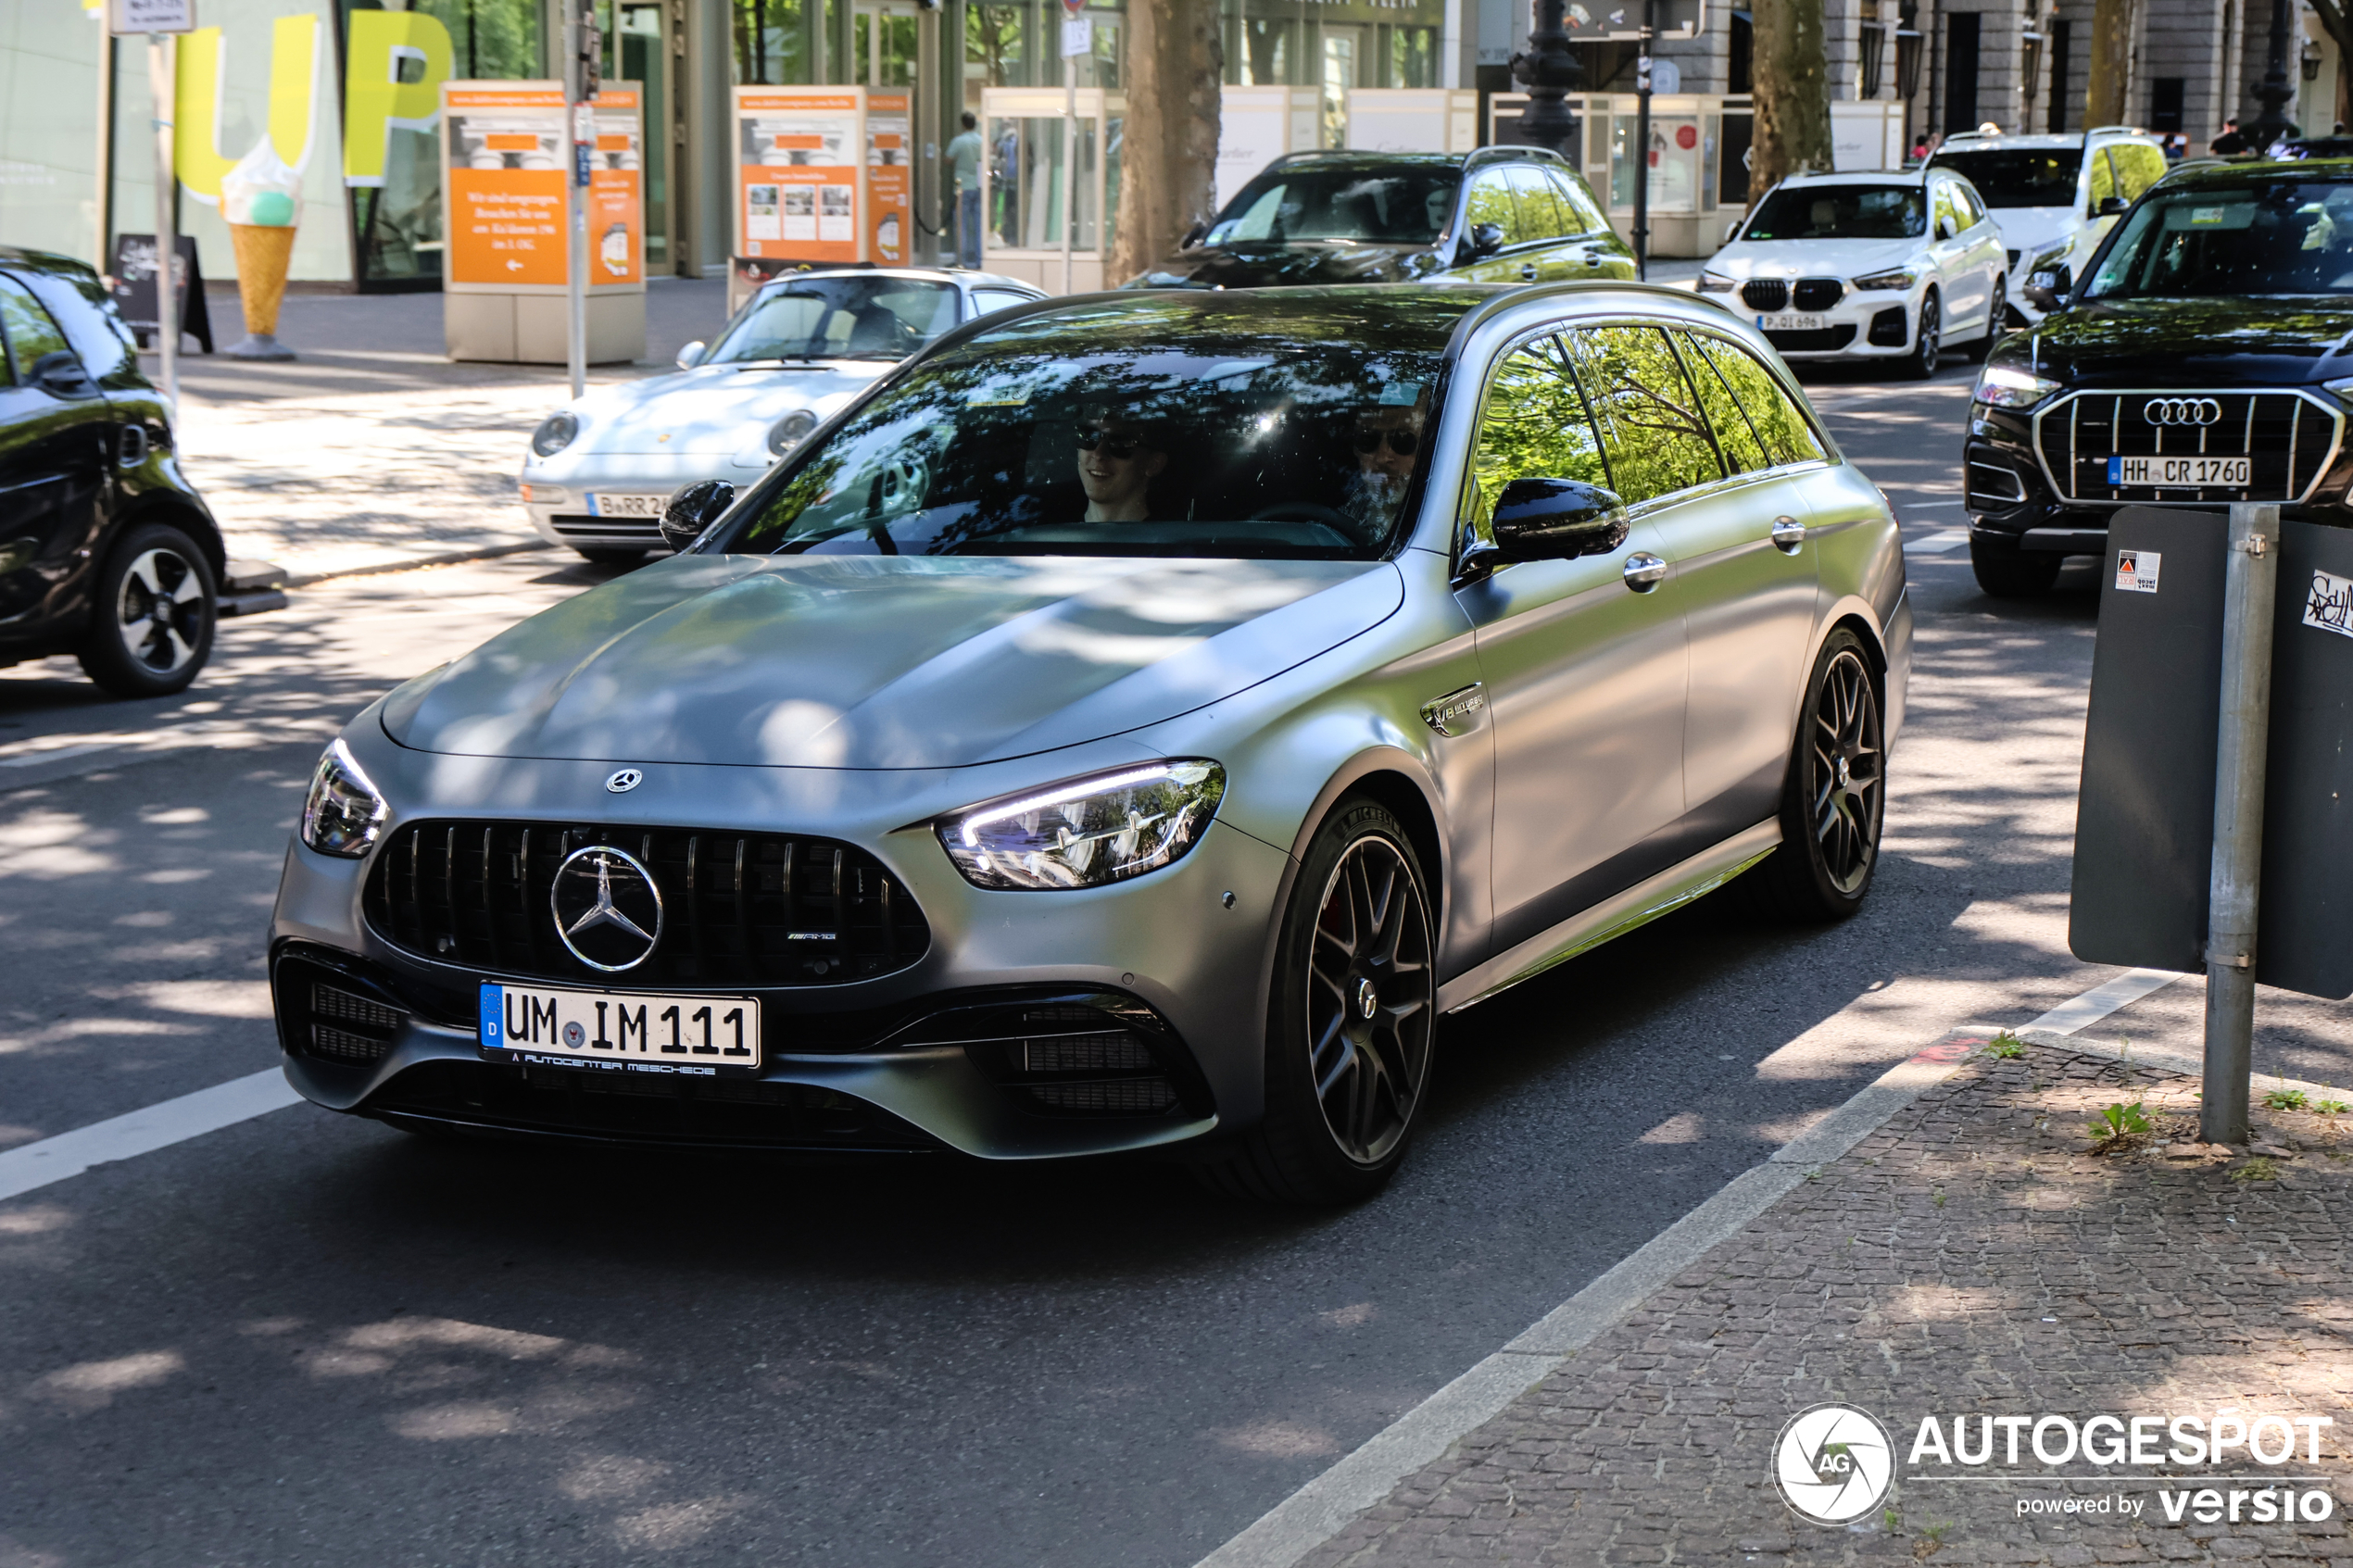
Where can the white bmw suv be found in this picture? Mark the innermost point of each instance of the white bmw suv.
(1885, 266)
(2054, 198)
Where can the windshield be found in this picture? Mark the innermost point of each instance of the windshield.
(839, 319)
(2293, 237)
(1839, 212)
(1397, 208)
(1164, 430)
(2020, 176)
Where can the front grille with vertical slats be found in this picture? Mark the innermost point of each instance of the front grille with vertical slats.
(1817, 293)
(2288, 438)
(738, 910)
(1766, 293)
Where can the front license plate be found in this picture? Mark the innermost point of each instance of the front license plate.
(603, 505)
(2187, 473)
(703, 1035)
(1791, 323)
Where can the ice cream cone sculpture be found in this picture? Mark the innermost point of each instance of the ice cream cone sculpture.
(261, 199)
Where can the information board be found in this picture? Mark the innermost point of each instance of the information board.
(890, 203)
(797, 172)
(616, 188)
(505, 147)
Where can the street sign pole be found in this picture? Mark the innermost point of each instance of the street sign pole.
(581, 82)
(1641, 149)
(1075, 30)
(2250, 592)
(160, 63)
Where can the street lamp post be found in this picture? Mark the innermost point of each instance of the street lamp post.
(1548, 68)
(2278, 86)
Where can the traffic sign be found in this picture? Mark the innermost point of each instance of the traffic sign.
(152, 15)
(1072, 7)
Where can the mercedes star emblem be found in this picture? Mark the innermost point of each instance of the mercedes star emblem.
(607, 907)
(624, 781)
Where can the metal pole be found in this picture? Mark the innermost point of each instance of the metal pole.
(576, 207)
(1641, 235)
(2250, 583)
(2277, 88)
(1070, 160)
(1548, 68)
(159, 83)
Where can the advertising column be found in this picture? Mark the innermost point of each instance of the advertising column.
(503, 270)
(889, 178)
(823, 178)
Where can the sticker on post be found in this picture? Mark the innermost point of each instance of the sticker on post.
(2329, 605)
(2136, 571)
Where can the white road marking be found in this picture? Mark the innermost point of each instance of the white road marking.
(142, 1132)
(1322, 1508)
(59, 754)
(1937, 543)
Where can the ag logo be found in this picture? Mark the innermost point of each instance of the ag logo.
(1832, 1464)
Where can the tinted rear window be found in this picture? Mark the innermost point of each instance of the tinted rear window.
(1384, 206)
(1839, 212)
(2020, 176)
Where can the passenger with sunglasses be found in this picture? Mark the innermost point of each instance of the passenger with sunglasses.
(1116, 467)
(1388, 442)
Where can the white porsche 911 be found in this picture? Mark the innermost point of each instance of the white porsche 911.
(600, 469)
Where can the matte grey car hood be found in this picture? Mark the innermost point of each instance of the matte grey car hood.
(914, 661)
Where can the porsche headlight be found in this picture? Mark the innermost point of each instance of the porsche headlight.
(1897, 278)
(555, 433)
(1716, 282)
(344, 812)
(2006, 386)
(1086, 831)
(791, 431)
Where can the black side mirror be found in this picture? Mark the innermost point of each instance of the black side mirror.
(60, 374)
(1556, 520)
(695, 507)
(1193, 236)
(2048, 290)
(1486, 238)
(2110, 207)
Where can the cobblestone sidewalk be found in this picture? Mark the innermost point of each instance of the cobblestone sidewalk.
(1975, 1257)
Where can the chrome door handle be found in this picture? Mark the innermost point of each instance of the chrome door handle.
(1644, 571)
(1788, 535)
(1528, 270)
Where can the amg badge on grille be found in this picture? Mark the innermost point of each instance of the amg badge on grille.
(608, 909)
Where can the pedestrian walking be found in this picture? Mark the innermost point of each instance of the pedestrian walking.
(963, 156)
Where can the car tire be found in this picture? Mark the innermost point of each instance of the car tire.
(1350, 1023)
(2000, 306)
(2005, 571)
(1834, 802)
(1928, 345)
(610, 555)
(157, 606)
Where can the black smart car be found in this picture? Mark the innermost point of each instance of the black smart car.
(1500, 215)
(2201, 360)
(106, 551)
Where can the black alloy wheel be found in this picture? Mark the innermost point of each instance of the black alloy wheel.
(1352, 1020)
(1834, 804)
(1994, 331)
(1927, 347)
(2005, 571)
(151, 627)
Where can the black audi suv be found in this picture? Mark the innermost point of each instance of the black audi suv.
(2201, 358)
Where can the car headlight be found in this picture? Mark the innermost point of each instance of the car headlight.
(2340, 388)
(1895, 277)
(344, 812)
(1085, 832)
(2005, 386)
(555, 433)
(791, 431)
(1716, 282)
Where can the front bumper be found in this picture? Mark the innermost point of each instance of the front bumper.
(921, 1059)
(570, 518)
(1875, 325)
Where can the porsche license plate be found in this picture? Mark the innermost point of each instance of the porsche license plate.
(2186, 473)
(703, 1035)
(603, 504)
(1786, 323)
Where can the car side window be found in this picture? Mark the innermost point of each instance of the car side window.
(987, 300)
(1972, 209)
(2103, 181)
(1491, 202)
(1947, 219)
(1585, 214)
(2138, 166)
(1781, 427)
(1744, 453)
(30, 333)
(1653, 436)
(1540, 214)
(1535, 426)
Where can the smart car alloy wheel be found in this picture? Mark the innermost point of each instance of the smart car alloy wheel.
(153, 628)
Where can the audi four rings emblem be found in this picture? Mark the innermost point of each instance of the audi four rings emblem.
(2182, 411)
(624, 781)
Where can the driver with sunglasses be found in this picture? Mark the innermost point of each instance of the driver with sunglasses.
(1116, 467)
(1388, 442)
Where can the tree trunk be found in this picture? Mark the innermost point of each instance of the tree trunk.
(1168, 162)
(1793, 133)
(2106, 94)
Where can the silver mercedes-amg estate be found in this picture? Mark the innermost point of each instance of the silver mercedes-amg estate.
(1128, 725)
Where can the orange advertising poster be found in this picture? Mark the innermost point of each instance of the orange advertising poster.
(889, 178)
(616, 190)
(797, 173)
(507, 147)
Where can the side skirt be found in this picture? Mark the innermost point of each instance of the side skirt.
(1638, 906)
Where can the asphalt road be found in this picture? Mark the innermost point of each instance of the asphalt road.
(308, 1338)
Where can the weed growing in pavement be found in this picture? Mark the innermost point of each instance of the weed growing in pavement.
(1894, 1519)
(2286, 1099)
(2119, 1123)
(2263, 1168)
(1931, 1539)
(1939, 1199)
(2333, 1108)
(2005, 1045)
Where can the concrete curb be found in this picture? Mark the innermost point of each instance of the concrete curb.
(455, 558)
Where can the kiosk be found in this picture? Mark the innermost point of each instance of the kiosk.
(1413, 120)
(506, 269)
(1024, 188)
(823, 178)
